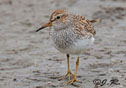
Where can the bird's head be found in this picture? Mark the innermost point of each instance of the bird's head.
(58, 19)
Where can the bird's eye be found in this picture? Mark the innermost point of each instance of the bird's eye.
(58, 17)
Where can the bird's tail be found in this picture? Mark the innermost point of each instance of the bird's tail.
(95, 20)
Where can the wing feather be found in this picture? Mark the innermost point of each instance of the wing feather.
(83, 25)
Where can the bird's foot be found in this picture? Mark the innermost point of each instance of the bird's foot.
(73, 80)
(68, 75)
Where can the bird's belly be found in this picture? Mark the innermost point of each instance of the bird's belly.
(78, 47)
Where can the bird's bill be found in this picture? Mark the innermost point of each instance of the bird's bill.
(44, 26)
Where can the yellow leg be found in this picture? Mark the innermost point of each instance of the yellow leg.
(75, 74)
(68, 70)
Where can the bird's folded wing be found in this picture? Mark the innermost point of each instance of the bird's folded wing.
(84, 26)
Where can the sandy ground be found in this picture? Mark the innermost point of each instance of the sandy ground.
(28, 60)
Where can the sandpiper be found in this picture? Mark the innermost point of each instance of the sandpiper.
(71, 34)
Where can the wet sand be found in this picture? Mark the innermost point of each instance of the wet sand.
(28, 60)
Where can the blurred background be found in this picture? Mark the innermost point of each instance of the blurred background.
(28, 60)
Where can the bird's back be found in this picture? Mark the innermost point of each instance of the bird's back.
(83, 25)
